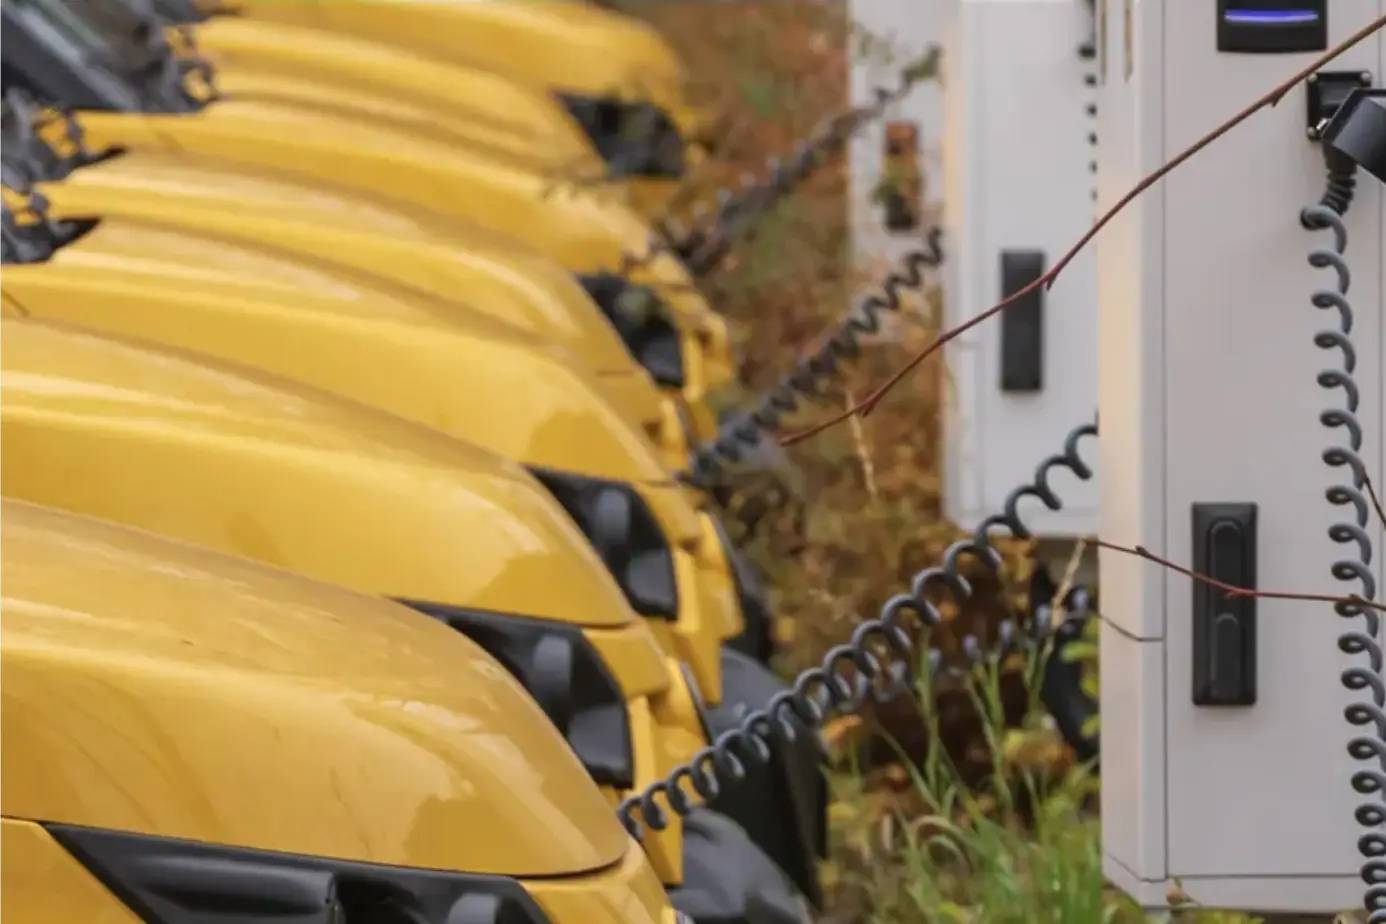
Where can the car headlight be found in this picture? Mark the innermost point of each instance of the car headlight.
(633, 138)
(642, 320)
(756, 639)
(566, 676)
(625, 533)
(171, 881)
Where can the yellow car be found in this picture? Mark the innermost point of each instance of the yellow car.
(507, 287)
(331, 490)
(186, 733)
(459, 373)
(360, 79)
(617, 76)
(458, 377)
(390, 84)
(216, 455)
(156, 109)
(436, 258)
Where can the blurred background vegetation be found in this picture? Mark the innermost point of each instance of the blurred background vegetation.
(962, 804)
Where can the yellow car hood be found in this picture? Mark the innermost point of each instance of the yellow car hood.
(400, 166)
(163, 689)
(586, 228)
(555, 45)
(389, 84)
(293, 477)
(473, 267)
(458, 373)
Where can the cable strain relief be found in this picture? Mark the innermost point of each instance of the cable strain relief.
(1342, 181)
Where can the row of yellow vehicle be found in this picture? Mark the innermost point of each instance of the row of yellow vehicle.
(340, 287)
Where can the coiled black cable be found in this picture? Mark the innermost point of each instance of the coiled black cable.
(879, 659)
(702, 247)
(736, 208)
(1342, 184)
(1370, 780)
(812, 373)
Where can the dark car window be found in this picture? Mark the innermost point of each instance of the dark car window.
(102, 54)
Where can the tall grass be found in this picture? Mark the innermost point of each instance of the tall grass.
(916, 843)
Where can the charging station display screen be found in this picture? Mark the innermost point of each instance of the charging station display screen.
(1272, 26)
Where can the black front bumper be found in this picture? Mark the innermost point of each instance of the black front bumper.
(782, 805)
(728, 879)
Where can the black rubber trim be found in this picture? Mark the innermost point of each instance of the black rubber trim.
(728, 880)
(783, 804)
(172, 881)
(622, 528)
(567, 677)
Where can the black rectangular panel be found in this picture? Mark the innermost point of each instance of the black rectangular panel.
(1272, 26)
(1022, 324)
(1224, 625)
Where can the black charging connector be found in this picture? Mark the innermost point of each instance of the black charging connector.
(1352, 131)
(1357, 133)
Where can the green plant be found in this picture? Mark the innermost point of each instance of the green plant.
(915, 844)
(1021, 846)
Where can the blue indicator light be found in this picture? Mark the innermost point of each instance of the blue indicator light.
(1271, 17)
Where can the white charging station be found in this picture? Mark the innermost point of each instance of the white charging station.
(1210, 409)
(1007, 148)
(1021, 159)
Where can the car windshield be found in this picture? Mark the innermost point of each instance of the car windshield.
(125, 34)
(179, 11)
(56, 57)
(116, 44)
(74, 35)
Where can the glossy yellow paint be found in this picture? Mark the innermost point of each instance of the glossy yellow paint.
(451, 369)
(258, 467)
(387, 84)
(586, 228)
(453, 372)
(295, 478)
(709, 612)
(448, 260)
(553, 45)
(41, 883)
(182, 260)
(660, 735)
(629, 893)
(657, 680)
(423, 251)
(146, 681)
